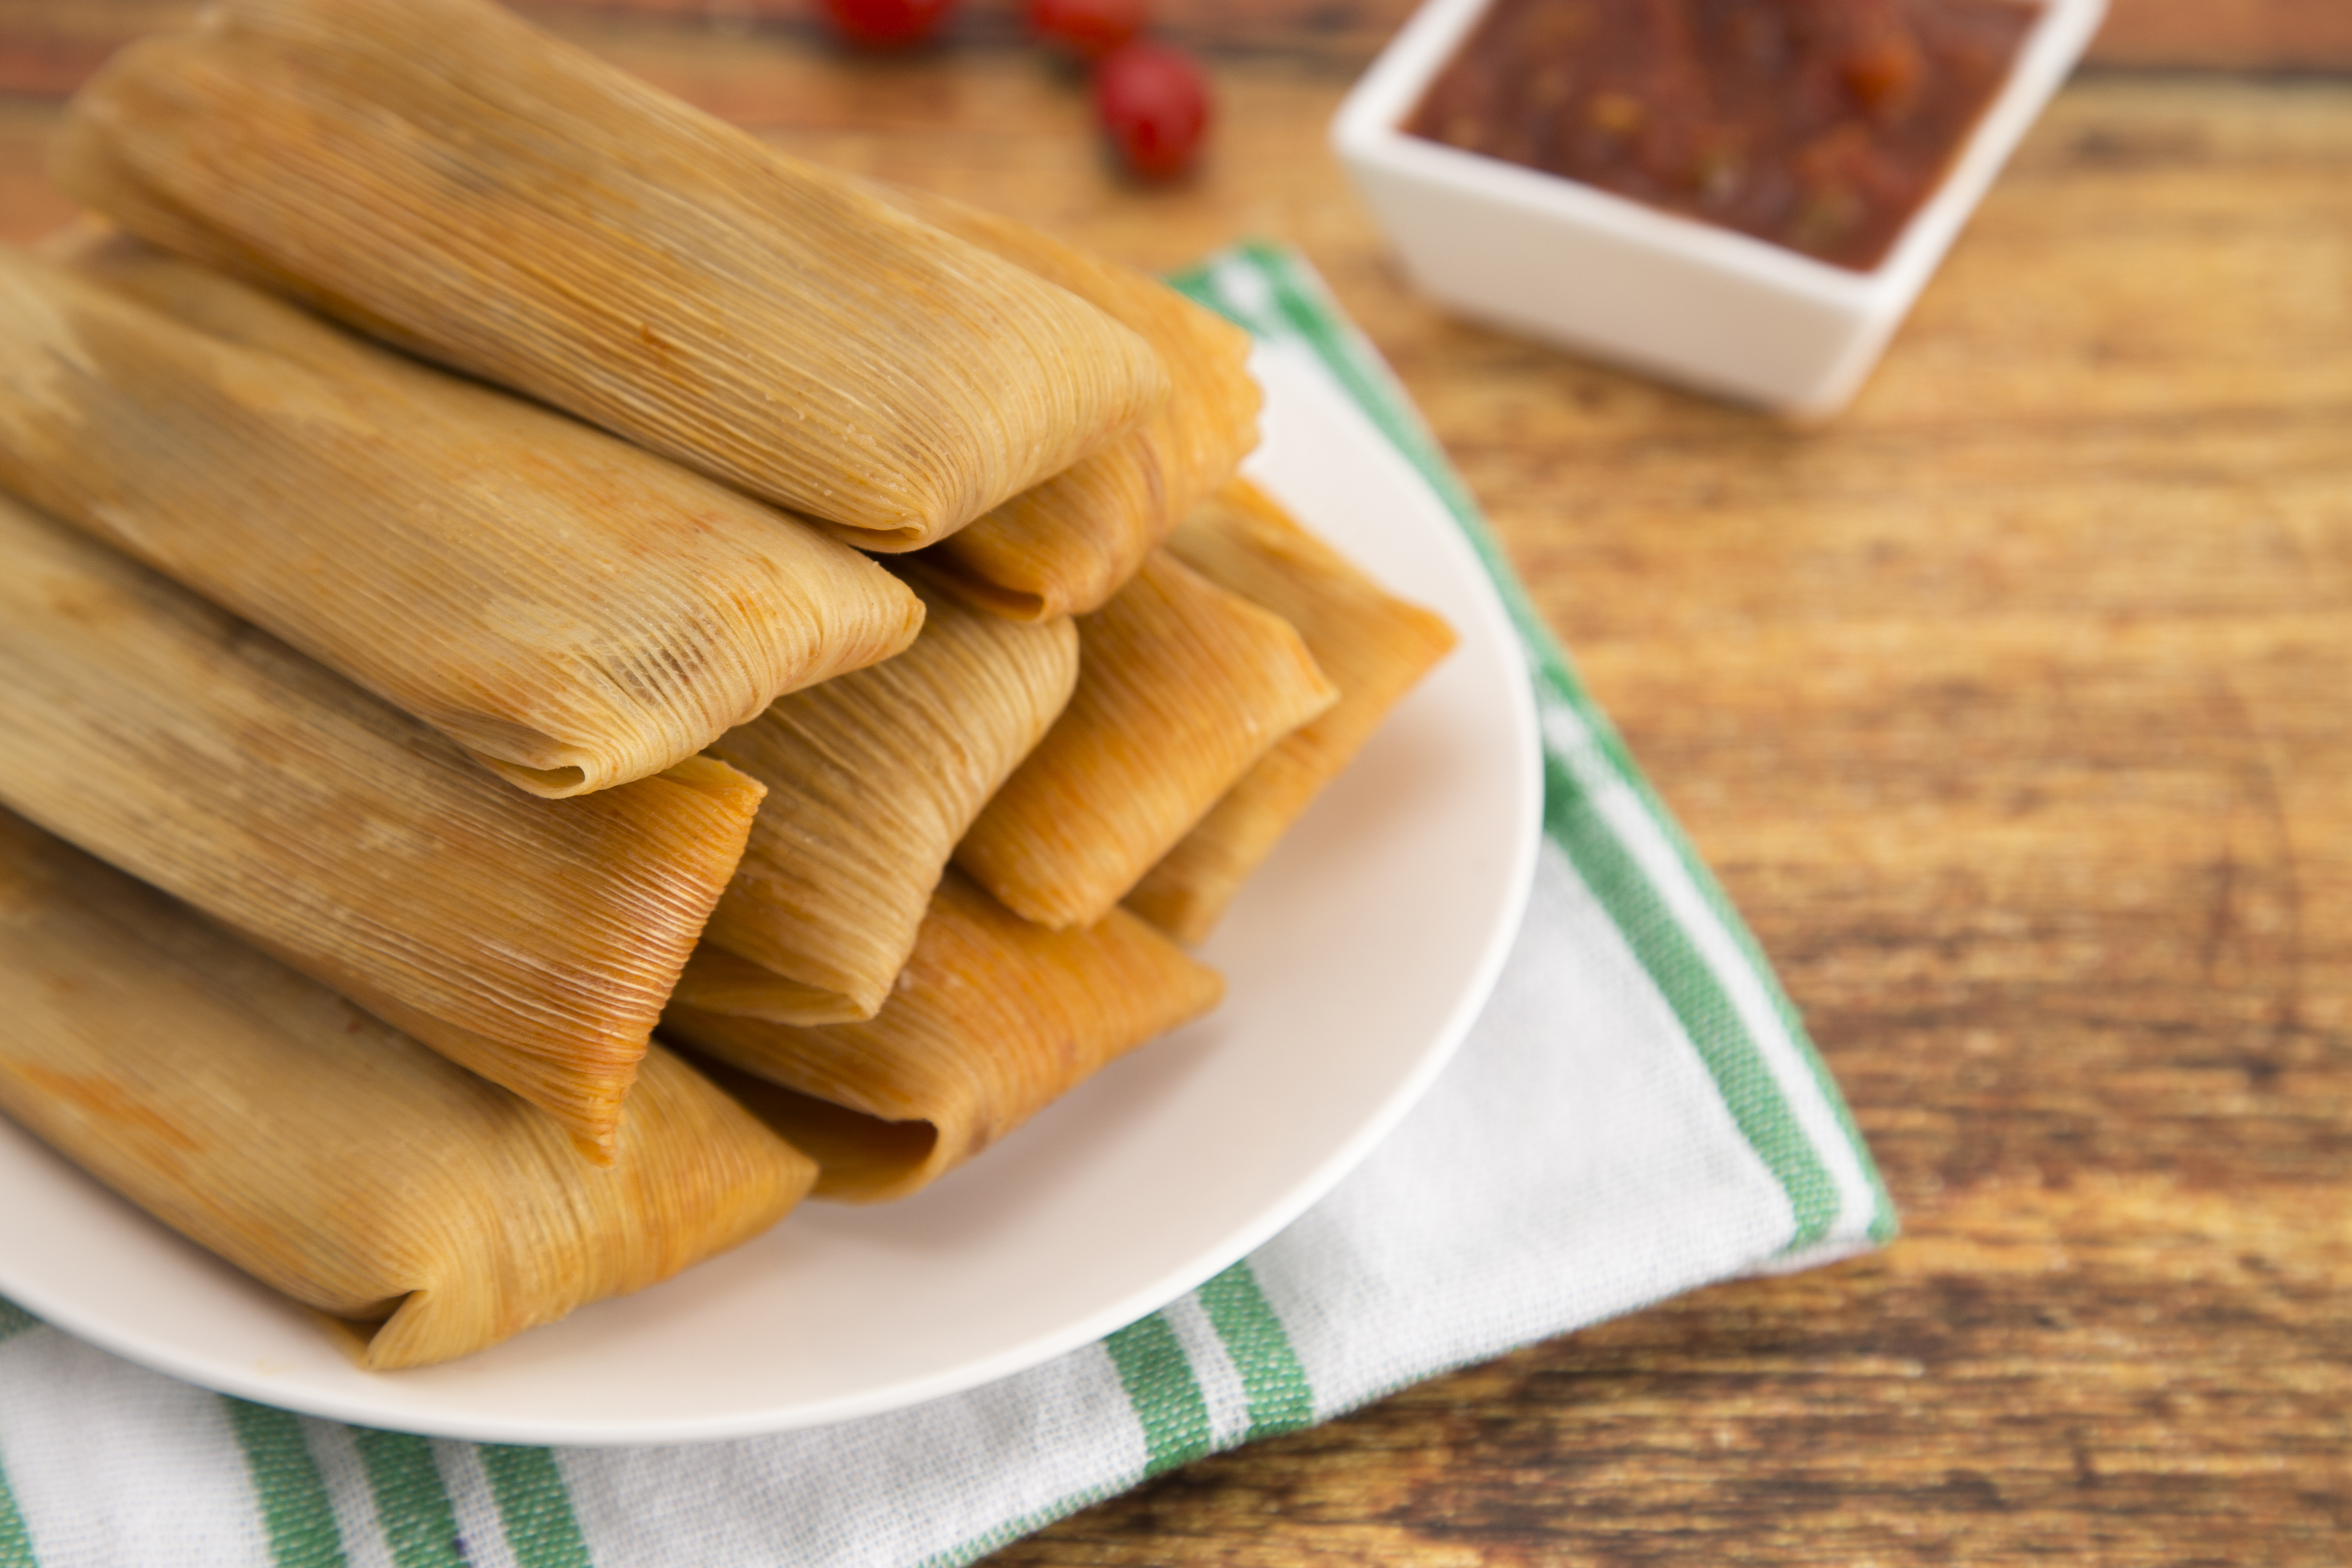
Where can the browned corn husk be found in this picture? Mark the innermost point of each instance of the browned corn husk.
(1066, 546)
(871, 780)
(1373, 646)
(573, 610)
(443, 174)
(994, 1019)
(337, 1160)
(532, 941)
(1182, 687)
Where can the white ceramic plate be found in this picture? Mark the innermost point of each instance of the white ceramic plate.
(1357, 961)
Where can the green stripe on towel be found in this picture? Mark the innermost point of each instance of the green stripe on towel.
(536, 1507)
(1572, 821)
(15, 1320)
(294, 1506)
(1272, 1378)
(411, 1503)
(1167, 1397)
(16, 1540)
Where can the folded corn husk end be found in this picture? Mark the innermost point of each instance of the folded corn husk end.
(1066, 545)
(700, 1159)
(860, 1158)
(992, 1018)
(1374, 647)
(583, 1093)
(723, 802)
(718, 980)
(949, 575)
(872, 777)
(1183, 687)
(691, 1157)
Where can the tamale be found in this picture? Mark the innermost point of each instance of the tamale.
(324, 1152)
(871, 780)
(574, 611)
(1182, 687)
(531, 940)
(1068, 545)
(994, 1019)
(440, 173)
(1373, 646)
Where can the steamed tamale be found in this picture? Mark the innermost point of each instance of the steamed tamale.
(1182, 687)
(573, 610)
(994, 1019)
(442, 174)
(1068, 545)
(871, 780)
(531, 940)
(324, 1152)
(1372, 645)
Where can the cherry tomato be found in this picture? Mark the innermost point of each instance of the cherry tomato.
(1153, 101)
(887, 23)
(1091, 29)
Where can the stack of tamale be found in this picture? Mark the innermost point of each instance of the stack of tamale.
(464, 738)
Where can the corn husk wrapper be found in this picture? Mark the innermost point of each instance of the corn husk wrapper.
(994, 1019)
(337, 1160)
(1372, 645)
(871, 780)
(531, 940)
(574, 611)
(1183, 687)
(1068, 545)
(440, 173)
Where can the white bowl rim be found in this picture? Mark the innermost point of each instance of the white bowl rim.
(1367, 129)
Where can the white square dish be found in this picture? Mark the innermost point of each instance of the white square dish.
(1673, 297)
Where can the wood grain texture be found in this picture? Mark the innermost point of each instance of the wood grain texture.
(2011, 708)
(47, 48)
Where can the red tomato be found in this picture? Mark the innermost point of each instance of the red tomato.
(1153, 100)
(1092, 28)
(887, 23)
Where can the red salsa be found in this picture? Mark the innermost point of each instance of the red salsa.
(1821, 125)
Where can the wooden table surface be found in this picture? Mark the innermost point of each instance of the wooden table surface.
(2013, 708)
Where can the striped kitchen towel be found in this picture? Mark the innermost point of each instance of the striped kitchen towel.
(1637, 1113)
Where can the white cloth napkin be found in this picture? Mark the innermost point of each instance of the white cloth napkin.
(1637, 1112)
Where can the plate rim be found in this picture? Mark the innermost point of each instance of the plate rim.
(1168, 1285)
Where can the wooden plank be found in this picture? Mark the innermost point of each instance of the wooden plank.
(47, 49)
(2250, 34)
